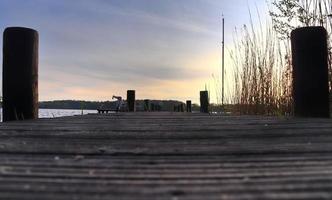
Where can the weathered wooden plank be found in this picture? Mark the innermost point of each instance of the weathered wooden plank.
(166, 156)
(167, 146)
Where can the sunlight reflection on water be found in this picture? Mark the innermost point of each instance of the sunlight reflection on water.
(52, 113)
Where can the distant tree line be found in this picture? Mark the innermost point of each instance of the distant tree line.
(165, 105)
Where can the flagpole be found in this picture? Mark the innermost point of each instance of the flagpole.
(223, 62)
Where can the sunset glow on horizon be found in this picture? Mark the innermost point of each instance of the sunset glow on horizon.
(163, 49)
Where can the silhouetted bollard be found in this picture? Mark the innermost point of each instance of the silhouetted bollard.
(177, 108)
(158, 107)
(146, 105)
(181, 107)
(310, 72)
(131, 100)
(20, 74)
(189, 109)
(204, 99)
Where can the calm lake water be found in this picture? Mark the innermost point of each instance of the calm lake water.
(52, 113)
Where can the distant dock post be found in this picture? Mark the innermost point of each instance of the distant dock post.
(189, 107)
(176, 108)
(131, 100)
(310, 72)
(204, 100)
(20, 74)
(147, 105)
(181, 107)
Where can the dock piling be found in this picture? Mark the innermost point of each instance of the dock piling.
(204, 100)
(20, 74)
(189, 107)
(131, 100)
(181, 107)
(147, 105)
(310, 72)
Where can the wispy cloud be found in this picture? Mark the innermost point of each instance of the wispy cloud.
(90, 47)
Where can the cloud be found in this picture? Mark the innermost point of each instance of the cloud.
(163, 47)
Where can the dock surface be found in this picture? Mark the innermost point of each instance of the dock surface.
(171, 156)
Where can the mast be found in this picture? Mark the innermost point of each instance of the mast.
(223, 61)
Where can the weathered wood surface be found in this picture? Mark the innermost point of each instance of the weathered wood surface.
(171, 156)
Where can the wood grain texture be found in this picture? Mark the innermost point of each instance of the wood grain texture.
(171, 156)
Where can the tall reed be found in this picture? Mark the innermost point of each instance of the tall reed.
(289, 14)
(262, 65)
(261, 73)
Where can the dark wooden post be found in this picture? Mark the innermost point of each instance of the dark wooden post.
(310, 72)
(158, 107)
(20, 74)
(204, 100)
(180, 107)
(131, 100)
(147, 105)
(189, 109)
(177, 108)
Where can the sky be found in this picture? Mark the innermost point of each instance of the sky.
(163, 49)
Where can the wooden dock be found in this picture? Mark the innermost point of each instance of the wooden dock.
(171, 156)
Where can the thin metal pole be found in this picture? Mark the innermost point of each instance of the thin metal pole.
(223, 62)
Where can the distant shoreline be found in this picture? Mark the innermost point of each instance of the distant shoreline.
(166, 105)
